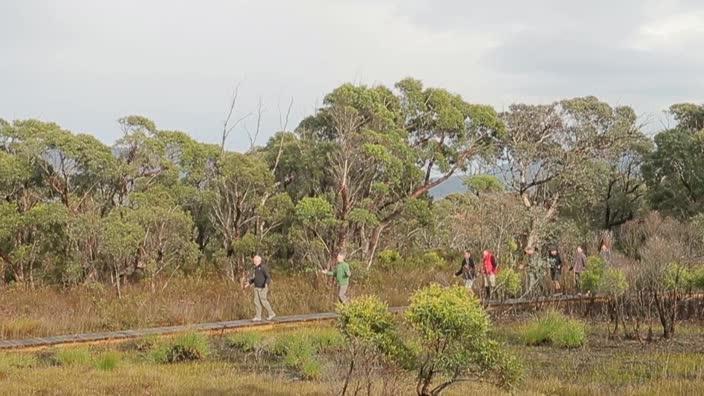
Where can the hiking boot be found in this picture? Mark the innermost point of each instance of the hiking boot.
(272, 316)
(257, 320)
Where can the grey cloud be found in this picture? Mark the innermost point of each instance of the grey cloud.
(84, 63)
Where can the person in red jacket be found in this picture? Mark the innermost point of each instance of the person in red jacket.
(489, 270)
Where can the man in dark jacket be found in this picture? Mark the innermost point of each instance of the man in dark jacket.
(261, 281)
(467, 270)
(555, 264)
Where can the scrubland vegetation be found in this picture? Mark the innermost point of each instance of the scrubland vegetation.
(157, 229)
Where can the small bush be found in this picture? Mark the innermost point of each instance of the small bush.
(679, 278)
(73, 357)
(698, 278)
(325, 338)
(108, 361)
(509, 282)
(294, 348)
(247, 341)
(600, 278)
(299, 353)
(554, 328)
(591, 277)
(311, 368)
(188, 347)
(389, 258)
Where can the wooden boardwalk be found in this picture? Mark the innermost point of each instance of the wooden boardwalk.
(233, 325)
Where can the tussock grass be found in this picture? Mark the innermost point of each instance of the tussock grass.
(184, 348)
(246, 341)
(554, 328)
(108, 360)
(73, 357)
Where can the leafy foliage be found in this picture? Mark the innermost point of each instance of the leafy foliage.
(554, 328)
(184, 348)
(452, 330)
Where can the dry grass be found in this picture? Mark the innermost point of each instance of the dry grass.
(602, 367)
(91, 308)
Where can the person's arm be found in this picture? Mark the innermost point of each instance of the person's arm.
(348, 271)
(458, 273)
(249, 282)
(267, 276)
(327, 272)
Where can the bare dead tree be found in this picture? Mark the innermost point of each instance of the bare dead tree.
(228, 125)
(253, 136)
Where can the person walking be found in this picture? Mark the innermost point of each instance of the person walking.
(536, 269)
(555, 265)
(489, 268)
(578, 266)
(261, 281)
(342, 275)
(467, 270)
(605, 252)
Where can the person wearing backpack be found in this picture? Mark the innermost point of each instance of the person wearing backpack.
(342, 275)
(489, 268)
(467, 270)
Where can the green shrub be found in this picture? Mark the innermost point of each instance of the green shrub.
(298, 351)
(389, 258)
(108, 361)
(433, 260)
(554, 328)
(698, 278)
(509, 282)
(187, 347)
(73, 357)
(366, 320)
(679, 278)
(247, 341)
(325, 338)
(613, 282)
(310, 368)
(600, 278)
(451, 329)
(591, 277)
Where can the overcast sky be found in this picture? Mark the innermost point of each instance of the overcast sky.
(85, 63)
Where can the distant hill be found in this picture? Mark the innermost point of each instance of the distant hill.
(455, 184)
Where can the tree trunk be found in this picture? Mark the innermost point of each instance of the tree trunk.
(374, 242)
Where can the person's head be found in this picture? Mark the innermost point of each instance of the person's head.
(530, 250)
(553, 252)
(604, 247)
(340, 257)
(485, 253)
(579, 249)
(467, 254)
(257, 260)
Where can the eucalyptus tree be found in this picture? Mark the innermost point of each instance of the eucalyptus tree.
(390, 149)
(554, 154)
(675, 170)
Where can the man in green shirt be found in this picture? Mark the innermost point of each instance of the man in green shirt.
(342, 274)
